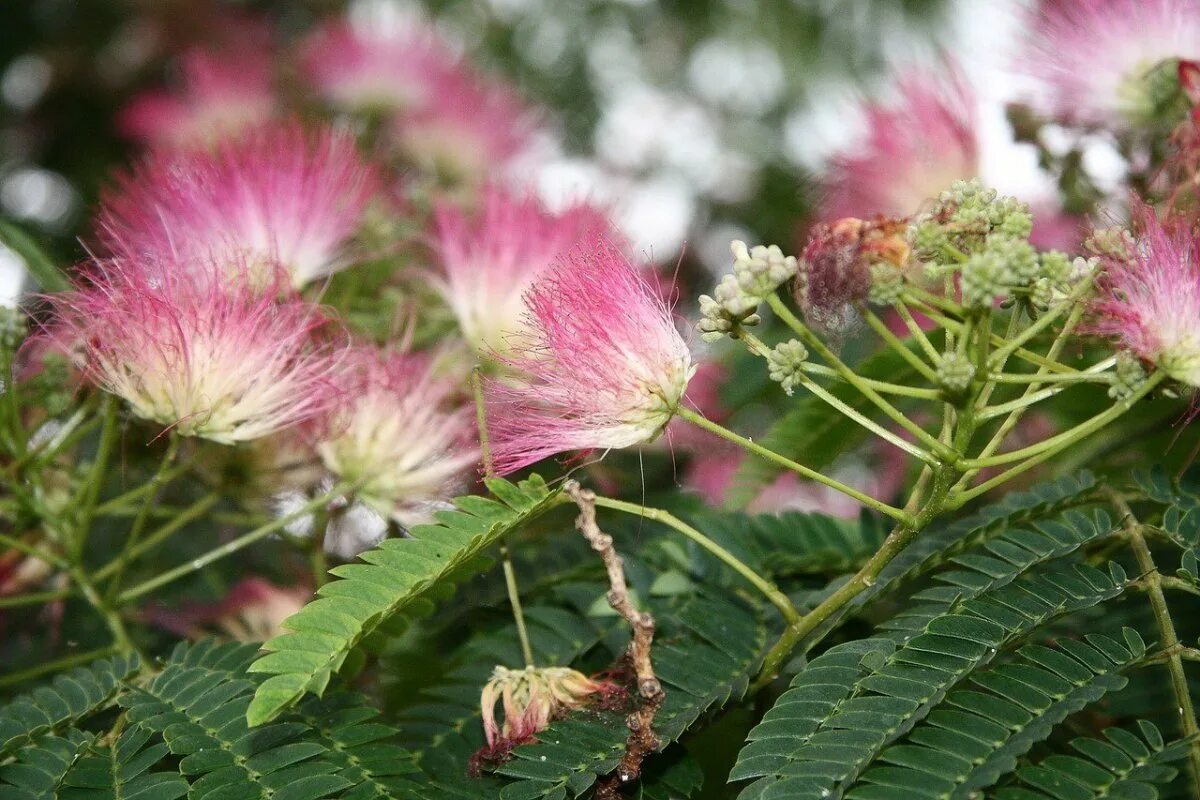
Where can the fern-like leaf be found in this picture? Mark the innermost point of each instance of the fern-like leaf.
(124, 770)
(67, 699)
(903, 687)
(198, 702)
(979, 732)
(39, 770)
(392, 577)
(1122, 765)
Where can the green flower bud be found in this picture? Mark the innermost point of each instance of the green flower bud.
(784, 364)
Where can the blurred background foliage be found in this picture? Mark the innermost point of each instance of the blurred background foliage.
(701, 117)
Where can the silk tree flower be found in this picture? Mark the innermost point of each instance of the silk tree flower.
(278, 195)
(225, 363)
(532, 697)
(365, 68)
(401, 432)
(914, 149)
(219, 95)
(472, 128)
(1149, 298)
(1099, 59)
(490, 257)
(603, 364)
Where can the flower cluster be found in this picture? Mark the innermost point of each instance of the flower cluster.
(601, 364)
(226, 363)
(492, 255)
(279, 195)
(399, 433)
(1150, 298)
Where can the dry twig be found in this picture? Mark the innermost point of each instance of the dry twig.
(642, 739)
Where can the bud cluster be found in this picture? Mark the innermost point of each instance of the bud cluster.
(785, 363)
(757, 272)
(1129, 376)
(984, 237)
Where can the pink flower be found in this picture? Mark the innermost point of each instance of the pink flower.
(278, 195)
(227, 363)
(532, 697)
(252, 611)
(915, 148)
(603, 364)
(473, 128)
(1095, 56)
(1150, 297)
(220, 94)
(491, 257)
(361, 67)
(401, 432)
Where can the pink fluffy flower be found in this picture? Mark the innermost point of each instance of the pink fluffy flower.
(915, 148)
(401, 432)
(278, 195)
(604, 365)
(1095, 56)
(472, 128)
(228, 363)
(358, 67)
(1150, 299)
(219, 95)
(490, 257)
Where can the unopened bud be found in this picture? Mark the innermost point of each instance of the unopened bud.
(785, 363)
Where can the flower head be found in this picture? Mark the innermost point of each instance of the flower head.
(277, 196)
(225, 363)
(491, 257)
(376, 66)
(848, 262)
(1150, 296)
(603, 364)
(471, 129)
(531, 698)
(915, 148)
(401, 432)
(220, 95)
(1100, 59)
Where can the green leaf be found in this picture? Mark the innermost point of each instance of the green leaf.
(902, 689)
(38, 771)
(1124, 765)
(48, 276)
(813, 432)
(389, 579)
(66, 700)
(124, 770)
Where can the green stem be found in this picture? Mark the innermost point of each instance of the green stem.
(510, 574)
(1068, 436)
(1080, 431)
(1015, 416)
(12, 403)
(122, 500)
(1071, 301)
(879, 386)
(231, 547)
(514, 599)
(892, 546)
(161, 534)
(50, 558)
(107, 612)
(814, 342)
(768, 589)
(139, 522)
(1093, 374)
(76, 427)
(15, 678)
(1166, 627)
(880, 327)
(915, 330)
(787, 463)
(34, 598)
(90, 490)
